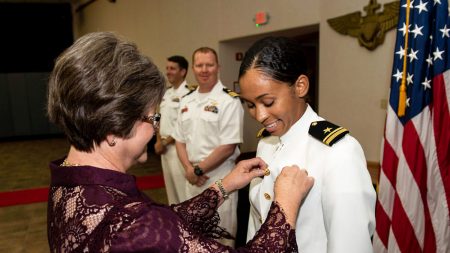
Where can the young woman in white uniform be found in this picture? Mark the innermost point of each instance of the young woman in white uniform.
(338, 213)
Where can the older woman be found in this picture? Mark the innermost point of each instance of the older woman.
(103, 93)
(338, 213)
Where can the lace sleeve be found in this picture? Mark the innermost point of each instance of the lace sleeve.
(151, 228)
(200, 214)
(275, 235)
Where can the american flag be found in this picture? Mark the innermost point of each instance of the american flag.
(412, 211)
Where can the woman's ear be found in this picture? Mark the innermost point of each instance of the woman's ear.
(111, 140)
(301, 86)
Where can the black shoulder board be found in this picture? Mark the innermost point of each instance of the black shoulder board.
(231, 92)
(190, 88)
(262, 133)
(327, 132)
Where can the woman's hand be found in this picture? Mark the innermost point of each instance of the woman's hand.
(291, 187)
(243, 173)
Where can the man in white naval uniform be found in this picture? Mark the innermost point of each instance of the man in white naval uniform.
(174, 179)
(338, 214)
(209, 129)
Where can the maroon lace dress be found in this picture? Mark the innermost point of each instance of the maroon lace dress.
(98, 210)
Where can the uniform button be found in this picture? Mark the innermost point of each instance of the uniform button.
(266, 172)
(267, 196)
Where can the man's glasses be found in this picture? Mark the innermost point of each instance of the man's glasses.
(154, 120)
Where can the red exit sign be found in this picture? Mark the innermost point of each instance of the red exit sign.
(261, 18)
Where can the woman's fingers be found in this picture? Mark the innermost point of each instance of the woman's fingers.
(291, 187)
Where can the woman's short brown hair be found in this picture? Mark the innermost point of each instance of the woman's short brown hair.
(101, 85)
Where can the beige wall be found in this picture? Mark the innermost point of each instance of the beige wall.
(236, 16)
(353, 80)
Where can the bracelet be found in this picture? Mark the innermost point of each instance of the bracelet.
(222, 190)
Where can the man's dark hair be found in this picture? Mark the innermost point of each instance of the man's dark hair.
(182, 62)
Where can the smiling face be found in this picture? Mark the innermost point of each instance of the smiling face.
(175, 74)
(206, 69)
(276, 105)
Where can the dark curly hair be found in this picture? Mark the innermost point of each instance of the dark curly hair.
(101, 85)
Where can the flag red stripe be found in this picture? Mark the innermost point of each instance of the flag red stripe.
(430, 238)
(441, 125)
(389, 169)
(403, 230)
(415, 157)
(383, 224)
(390, 163)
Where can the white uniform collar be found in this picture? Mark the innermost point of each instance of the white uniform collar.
(181, 90)
(217, 89)
(301, 126)
(182, 85)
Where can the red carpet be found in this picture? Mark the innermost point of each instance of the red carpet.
(28, 196)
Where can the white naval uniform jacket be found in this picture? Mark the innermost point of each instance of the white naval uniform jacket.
(169, 109)
(338, 214)
(172, 168)
(203, 124)
(206, 123)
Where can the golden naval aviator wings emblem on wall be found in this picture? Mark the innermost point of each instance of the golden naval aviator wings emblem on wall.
(369, 29)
